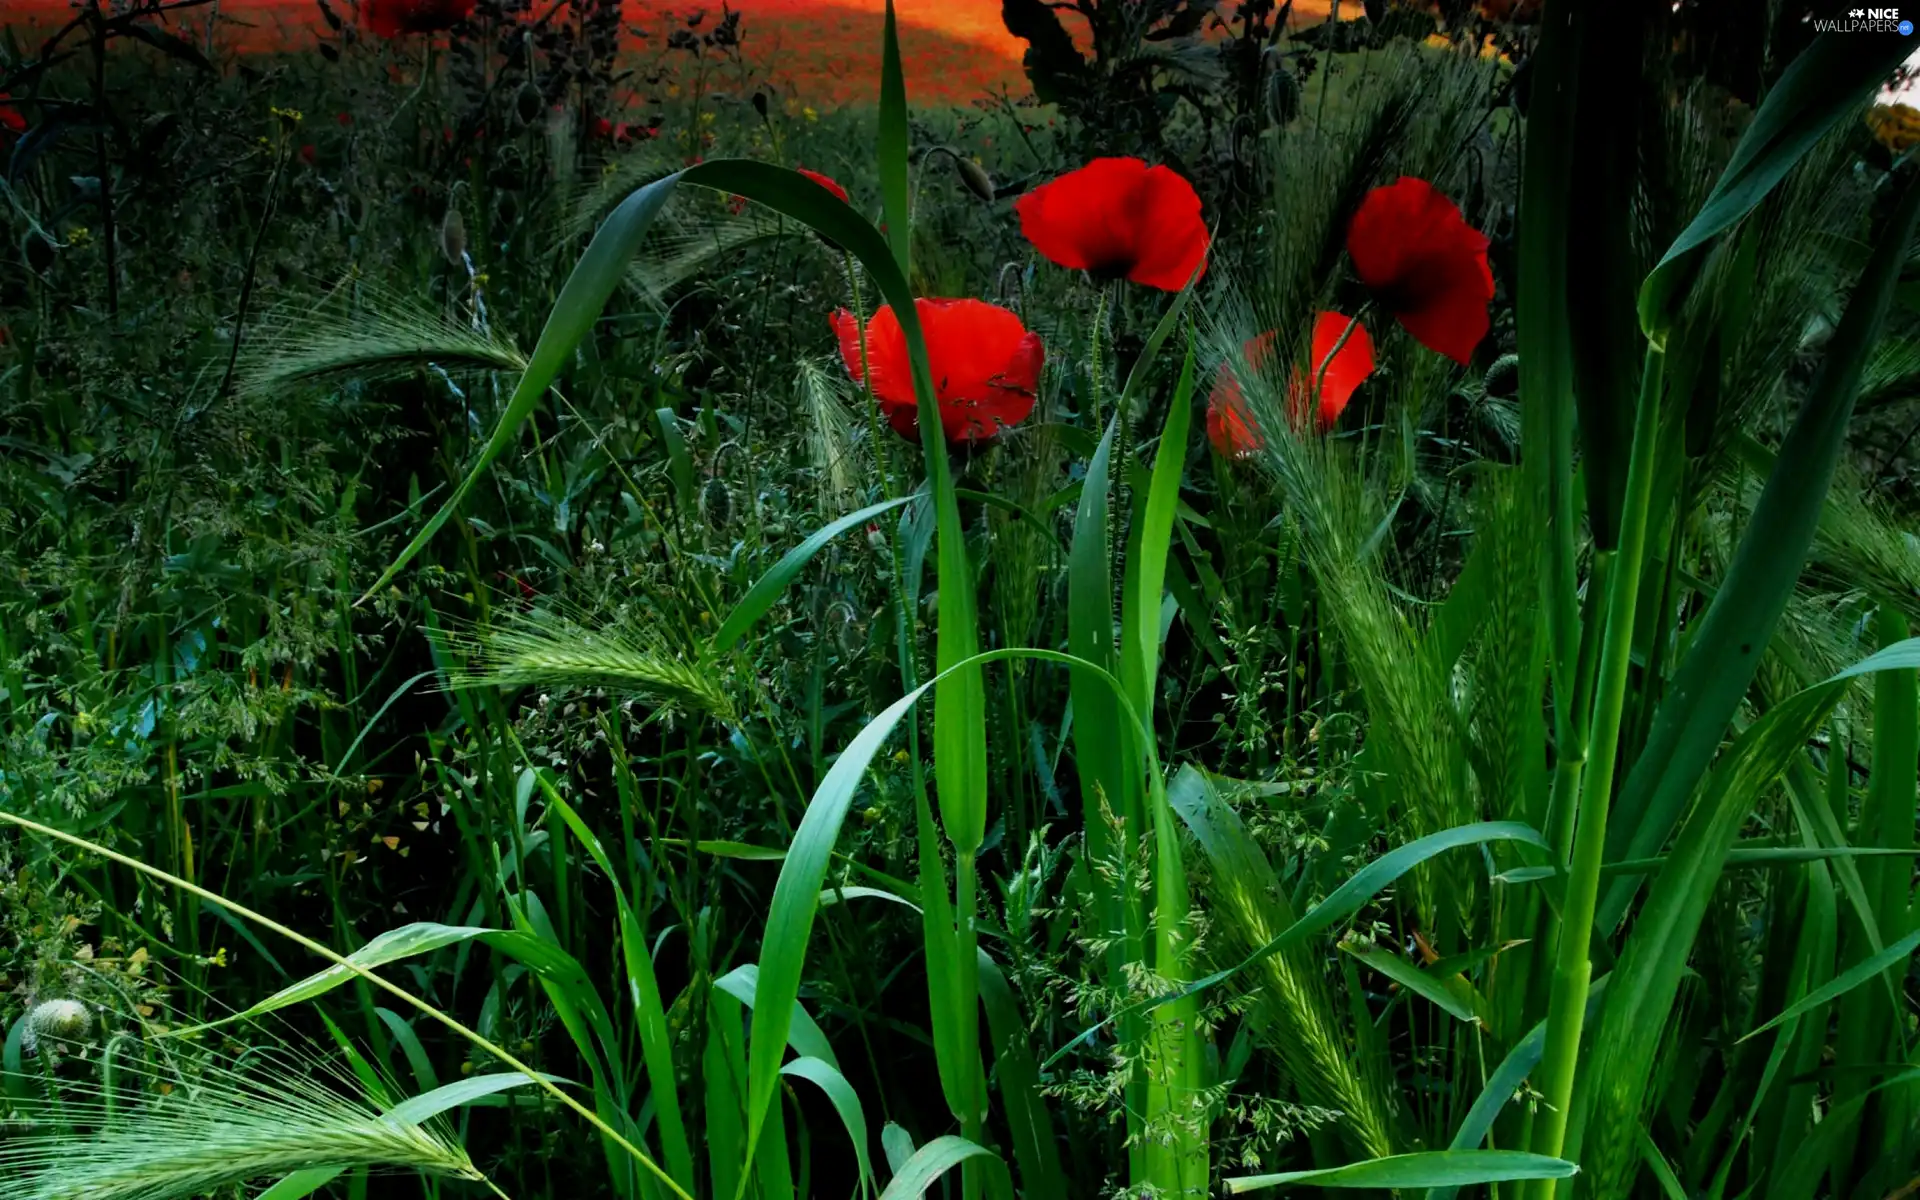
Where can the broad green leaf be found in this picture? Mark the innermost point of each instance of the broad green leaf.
(933, 1160)
(1727, 645)
(796, 894)
(1831, 78)
(428, 1105)
(803, 1034)
(1846, 981)
(828, 1079)
(769, 587)
(1432, 1168)
(1415, 980)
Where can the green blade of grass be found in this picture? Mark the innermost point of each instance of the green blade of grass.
(935, 1159)
(1727, 645)
(895, 190)
(845, 1101)
(1345, 900)
(1830, 78)
(1431, 1168)
(585, 293)
(769, 587)
(1408, 976)
(1845, 982)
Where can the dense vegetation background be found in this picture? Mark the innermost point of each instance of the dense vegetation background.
(1425, 644)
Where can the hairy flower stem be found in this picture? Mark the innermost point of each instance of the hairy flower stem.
(1573, 965)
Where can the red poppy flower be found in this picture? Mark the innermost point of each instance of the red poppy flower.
(602, 128)
(396, 18)
(1425, 264)
(1118, 217)
(11, 118)
(345, 118)
(308, 154)
(825, 182)
(986, 365)
(1230, 427)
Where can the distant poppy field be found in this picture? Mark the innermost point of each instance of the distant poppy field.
(1000, 600)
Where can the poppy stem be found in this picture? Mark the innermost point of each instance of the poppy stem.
(1094, 373)
(882, 454)
(1326, 364)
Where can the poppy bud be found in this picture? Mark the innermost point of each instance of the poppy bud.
(1503, 377)
(37, 251)
(716, 504)
(529, 104)
(1376, 10)
(760, 103)
(975, 177)
(453, 236)
(1283, 96)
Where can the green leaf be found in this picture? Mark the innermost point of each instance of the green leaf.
(1412, 978)
(895, 194)
(302, 1184)
(678, 460)
(1728, 643)
(933, 1160)
(1846, 981)
(803, 1034)
(428, 1105)
(1432, 1168)
(594, 278)
(828, 1079)
(768, 588)
(1831, 78)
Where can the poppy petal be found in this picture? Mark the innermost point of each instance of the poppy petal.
(1118, 218)
(1425, 264)
(1176, 246)
(1230, 425)
(825, 182)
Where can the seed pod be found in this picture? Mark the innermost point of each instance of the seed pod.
(716, 504)
(1283, 95)
(975, 177)
(1503, 377)
(453, 236)
(842, 626)
(61, 1020)
(529, 104)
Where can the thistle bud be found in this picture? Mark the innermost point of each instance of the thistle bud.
(716, 504)
(1503, 377)
(453, 236)
(61, 1020)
